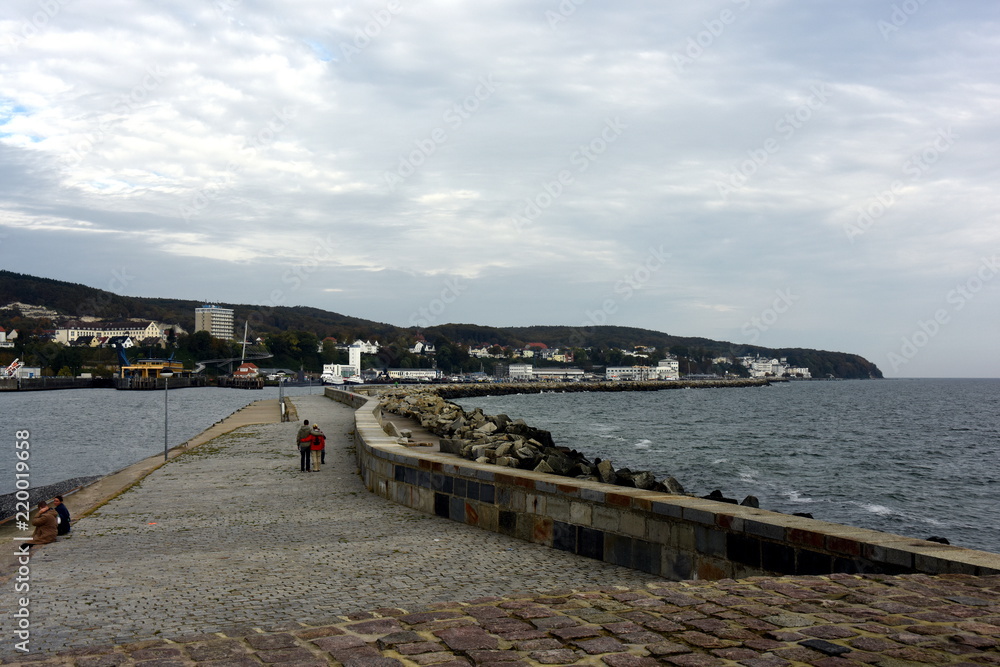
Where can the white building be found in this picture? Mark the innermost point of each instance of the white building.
(7, 339)
(422, 347)
(414, 373)
(668, 369)
(665, 369)
(617, 373)
(216, 320)
(760, 367)
(521, 372)
(336, 373)
(367, 347)
(558, 374)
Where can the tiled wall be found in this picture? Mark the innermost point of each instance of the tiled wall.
(677, 537)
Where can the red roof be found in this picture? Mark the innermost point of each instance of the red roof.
(542, 346)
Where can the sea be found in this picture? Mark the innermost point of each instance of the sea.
(917, 458)
(77, 435)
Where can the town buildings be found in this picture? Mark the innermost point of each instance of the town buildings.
(665, 369)
(216, 320)
(100, 333)
(760, 367)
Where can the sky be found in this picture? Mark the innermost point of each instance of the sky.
(786, 174)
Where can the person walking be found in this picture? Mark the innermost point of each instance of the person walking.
(63, 512)
(303, 440)
(317, 446)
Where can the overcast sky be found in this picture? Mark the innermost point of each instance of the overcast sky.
(789, 174)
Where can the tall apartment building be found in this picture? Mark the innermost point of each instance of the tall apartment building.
(216, 320)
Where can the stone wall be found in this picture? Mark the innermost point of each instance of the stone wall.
(674, 536)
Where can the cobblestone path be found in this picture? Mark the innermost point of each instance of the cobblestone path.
(232, 534)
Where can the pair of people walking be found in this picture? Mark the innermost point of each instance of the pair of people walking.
(311, 442)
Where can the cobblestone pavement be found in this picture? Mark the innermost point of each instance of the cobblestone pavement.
(835, 621)
(233, 534)
(229, 556)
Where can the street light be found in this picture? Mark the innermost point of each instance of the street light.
(166, 375)
(281, 398)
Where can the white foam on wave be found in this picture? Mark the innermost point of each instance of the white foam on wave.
(643, 444)
(885, 511)
(796, 497)
(880, 510)
(718, 462)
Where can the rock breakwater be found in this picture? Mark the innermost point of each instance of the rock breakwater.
(502, 389)
(500, 440)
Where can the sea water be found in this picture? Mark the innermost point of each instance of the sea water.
(74, 433)
(918, 458)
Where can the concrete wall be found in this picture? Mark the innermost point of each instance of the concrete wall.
(676, 537)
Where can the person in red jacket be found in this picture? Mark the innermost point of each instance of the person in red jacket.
(317, 446)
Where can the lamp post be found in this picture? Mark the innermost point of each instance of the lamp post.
(281, 398)
(166, 375)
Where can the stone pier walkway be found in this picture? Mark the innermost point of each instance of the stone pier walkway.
(229, 556)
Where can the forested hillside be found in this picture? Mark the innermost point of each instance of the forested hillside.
(592, 346)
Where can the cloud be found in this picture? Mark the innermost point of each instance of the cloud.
(766, 145)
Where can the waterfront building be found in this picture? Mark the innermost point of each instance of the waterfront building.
(216, 320)
(520, 372)
(636, 373)
(668, 369)
(336, 373)
(558, 374)
(414, 373)
(154, 368)
(762, 367)
(665, 369)
(247, 369)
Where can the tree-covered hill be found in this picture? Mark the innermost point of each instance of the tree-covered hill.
(595, 346)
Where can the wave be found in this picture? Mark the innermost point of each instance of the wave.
(643, 444)
(794, 496)
(880, 510)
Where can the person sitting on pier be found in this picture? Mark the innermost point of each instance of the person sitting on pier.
(303, 440)
(317, 446)
(46, 527)
(63, 513)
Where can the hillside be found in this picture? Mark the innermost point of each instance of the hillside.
(72, 300)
